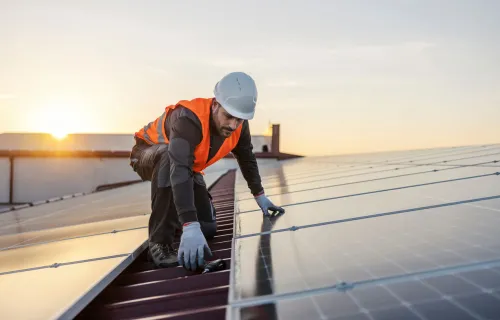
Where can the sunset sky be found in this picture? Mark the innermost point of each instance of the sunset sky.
(339, 76)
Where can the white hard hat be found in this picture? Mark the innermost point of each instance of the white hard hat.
(237, 93)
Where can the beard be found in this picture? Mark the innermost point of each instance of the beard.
(226, 131)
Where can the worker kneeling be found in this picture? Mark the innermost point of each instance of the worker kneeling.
(173, 150)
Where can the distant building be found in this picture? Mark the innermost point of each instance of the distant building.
(36, 167)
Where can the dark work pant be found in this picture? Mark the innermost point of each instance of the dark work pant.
(151, 163)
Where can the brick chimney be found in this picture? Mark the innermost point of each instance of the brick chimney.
(275, 140)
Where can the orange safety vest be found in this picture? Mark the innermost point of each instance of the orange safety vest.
(154, 132)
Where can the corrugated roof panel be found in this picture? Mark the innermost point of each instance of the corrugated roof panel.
(145, 292)
(422, 245)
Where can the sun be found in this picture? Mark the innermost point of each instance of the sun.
(58, 122)
(59, 117)
(59, 134)
(63, 115)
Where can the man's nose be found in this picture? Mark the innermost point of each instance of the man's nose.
(233, 124)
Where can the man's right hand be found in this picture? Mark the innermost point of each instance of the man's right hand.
(193, 247)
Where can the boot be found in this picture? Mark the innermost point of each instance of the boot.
(163, 256)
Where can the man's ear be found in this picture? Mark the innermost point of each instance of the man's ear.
(214, 106)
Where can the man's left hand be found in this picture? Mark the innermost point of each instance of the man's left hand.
(266, 205)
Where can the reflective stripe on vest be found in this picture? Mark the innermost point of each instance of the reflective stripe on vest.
(154, 132)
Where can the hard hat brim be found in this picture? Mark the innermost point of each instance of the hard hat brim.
(237, 114)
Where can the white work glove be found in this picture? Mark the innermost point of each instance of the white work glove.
(266, 205)
(193, 246)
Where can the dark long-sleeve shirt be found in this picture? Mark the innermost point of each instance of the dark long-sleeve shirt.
(184, 132)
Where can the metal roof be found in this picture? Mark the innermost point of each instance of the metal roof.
(143, 291)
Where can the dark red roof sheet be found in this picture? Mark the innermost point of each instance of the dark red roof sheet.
(142, 291)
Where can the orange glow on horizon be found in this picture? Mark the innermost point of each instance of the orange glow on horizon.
(59, 135)
(60, 117)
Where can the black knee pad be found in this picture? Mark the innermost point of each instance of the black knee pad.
(209, 229)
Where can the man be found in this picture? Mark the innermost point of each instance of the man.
(172, 152)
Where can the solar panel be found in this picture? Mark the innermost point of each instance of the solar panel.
(491, 160)
(486, 155)
(371, 248)
(19, 240)
(112, 204)
(20, 226)
(401, 180)
(399, 173)
(350, 171)
(85, 230)
(74, 250)
(48, 293)
(319, 179)
(420, 242)
(458, 296)
(56, 257)
(311, 173)
(320, 209)
(396, 157)
(12, 240)
(456, 155)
